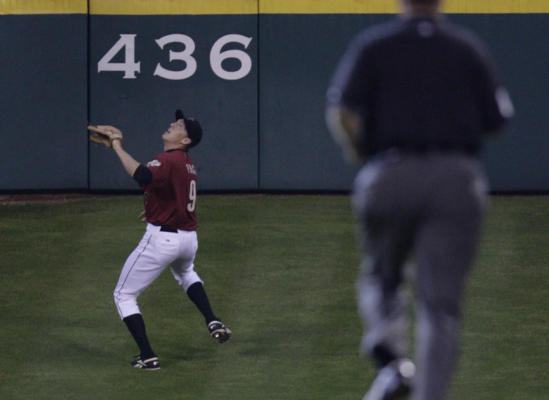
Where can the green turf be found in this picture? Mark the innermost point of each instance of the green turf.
(280, 272)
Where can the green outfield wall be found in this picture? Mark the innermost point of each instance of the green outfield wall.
(254, 72)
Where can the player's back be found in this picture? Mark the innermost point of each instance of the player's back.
(423, 94)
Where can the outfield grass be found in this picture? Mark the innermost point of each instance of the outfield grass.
(280, 272)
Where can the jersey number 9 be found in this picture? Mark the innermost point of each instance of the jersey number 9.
(191, 205)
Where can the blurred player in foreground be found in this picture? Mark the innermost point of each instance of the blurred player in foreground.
(412, 99)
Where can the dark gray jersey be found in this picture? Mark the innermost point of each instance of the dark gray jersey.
(420, 84)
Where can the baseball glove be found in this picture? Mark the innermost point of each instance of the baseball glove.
(104, 134)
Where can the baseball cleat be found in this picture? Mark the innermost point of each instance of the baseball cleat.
(219, 331)
(394, 381)
(150, 364)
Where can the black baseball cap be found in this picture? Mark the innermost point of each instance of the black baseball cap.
(194, 130)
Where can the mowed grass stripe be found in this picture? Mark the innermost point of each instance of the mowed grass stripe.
(280, 271)
(281, 260)
(506, 308)
(59, 309)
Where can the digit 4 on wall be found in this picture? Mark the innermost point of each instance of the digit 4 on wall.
(131, 67)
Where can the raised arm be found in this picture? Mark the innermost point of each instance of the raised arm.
(128, 162)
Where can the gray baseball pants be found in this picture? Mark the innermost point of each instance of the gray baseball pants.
(429, 208)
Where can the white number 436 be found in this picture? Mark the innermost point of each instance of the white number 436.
(130, 67)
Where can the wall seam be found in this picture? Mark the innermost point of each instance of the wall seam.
(258, 27)
(88, 95)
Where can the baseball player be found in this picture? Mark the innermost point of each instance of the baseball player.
(169, 182)
(412, 99)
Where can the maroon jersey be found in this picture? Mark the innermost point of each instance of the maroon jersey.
(170, 198)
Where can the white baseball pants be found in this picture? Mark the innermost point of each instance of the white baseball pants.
(156, 250)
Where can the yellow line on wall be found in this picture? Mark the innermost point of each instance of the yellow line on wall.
(158, 7)
(392, 6)
(43, 7)
(202, 7)
(328, 6)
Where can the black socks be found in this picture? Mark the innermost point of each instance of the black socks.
(136, 326)
(382, 355)
(198, 296)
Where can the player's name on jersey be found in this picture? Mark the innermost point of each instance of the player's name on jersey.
(191, 169)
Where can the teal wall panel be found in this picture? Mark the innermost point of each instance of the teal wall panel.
(516, 160)
(297, 58)
(299, 53)
(263, 131)
(43, 101)
(144, 106)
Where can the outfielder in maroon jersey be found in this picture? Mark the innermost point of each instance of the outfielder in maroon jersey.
(170, 197)
(169, 184)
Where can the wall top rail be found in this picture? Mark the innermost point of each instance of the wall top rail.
(227, 7)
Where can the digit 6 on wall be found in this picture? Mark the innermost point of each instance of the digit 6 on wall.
(217, 57)
(131, 67)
